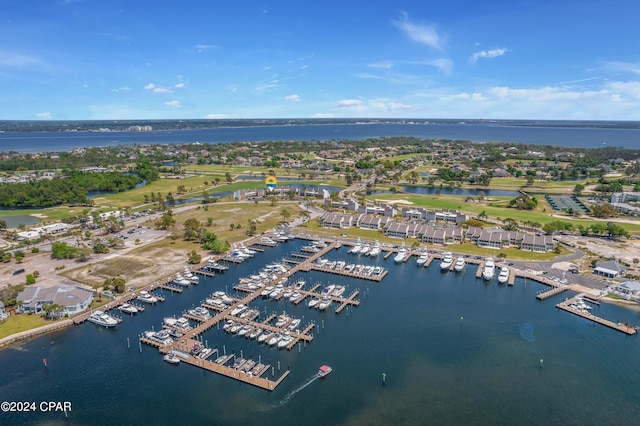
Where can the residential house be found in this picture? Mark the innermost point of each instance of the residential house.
(74, 299)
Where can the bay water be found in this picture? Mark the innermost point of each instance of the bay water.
(453, 350)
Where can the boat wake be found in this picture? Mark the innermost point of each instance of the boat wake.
(295, 391)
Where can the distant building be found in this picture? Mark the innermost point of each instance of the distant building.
(41, 231)
(609, 269)
(74, 299)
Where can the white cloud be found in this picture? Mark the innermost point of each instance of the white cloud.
(179, 86)
(268, 86)
(267, 68)
(293, 98)
(158, 89)
(150, 86)
(381, 65)
(216, 116)
(323, 115)
(122, 89)
(623, 67)
(423, 34)
(17, 60)
(44, 116)
(202, 47)
(398, 106)
(444, 64)
(173, 104)
(486, 54)
(349, 103)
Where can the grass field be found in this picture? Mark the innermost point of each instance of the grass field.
(17, 323)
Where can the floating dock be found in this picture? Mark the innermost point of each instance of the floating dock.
(619, 326)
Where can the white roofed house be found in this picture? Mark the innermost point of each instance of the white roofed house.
(73, 299)
(628, 289)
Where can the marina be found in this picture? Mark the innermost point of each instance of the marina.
(215, 351)
(582, 310)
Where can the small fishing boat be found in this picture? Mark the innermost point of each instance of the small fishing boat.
(324, 370)
(171, 358)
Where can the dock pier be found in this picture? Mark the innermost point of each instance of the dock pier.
(619, 326)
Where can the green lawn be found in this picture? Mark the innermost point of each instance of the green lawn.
(17, 323)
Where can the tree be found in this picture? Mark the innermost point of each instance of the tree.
(194, 257)
(604, 211)
(166, 221)
(30, 279)
(252, 227)
(192, 228)
(61, 250)
(578, 189)
(286, 214)
(228, 178)
(19, 255)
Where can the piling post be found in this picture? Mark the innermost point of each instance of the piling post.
(541, 362)
(128, 344)
(140, 344)
(224, 349)
(384, 378)
(278, 365)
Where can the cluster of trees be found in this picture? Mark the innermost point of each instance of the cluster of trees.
(524, 202)
(116, 284)
(610, 229)
(194, 230)
(73, 188)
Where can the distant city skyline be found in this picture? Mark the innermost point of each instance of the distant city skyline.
(91, 60)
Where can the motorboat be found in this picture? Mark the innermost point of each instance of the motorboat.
(177, 323)
(375, 250)
(324, 303)
(313, 303)
(161, 337)
(283, 319)
(191, 277)
(171, 358)
(268, 289)
(253, 334)
(128, 308)
(274, 339)
(294, 324)
(181, 281)
(503, 276)
(365, 249)
(285, 341)
(227, 325)
(356, 248)
(422, 259)
(103, 319)
(489, 269)
(200, 312)
(447, 261)
(324, 370)
(339, 290)
(328, 290)
(264, 336)
(401, 255)
(276, 293)
(147, 297)
(294, 296)
(460, 263)
(244, 330)
(238, 310)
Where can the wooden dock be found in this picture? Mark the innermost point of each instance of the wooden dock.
(344, 273)
(622, 327)
(236, 374)
(389, 253)
(512, 277)
(547, 294)
(429, 260)
(204, 273)
(479, 270)
(174, 289)
(348, 301)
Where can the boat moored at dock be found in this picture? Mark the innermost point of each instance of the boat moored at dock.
(460, 264)
(446, 262)
(503, 276)
(103, 319)
(489, 270)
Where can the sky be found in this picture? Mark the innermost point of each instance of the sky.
(139, 59)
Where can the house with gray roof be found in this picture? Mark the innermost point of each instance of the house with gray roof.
(609, 269)
(74, 299)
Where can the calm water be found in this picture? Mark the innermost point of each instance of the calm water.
(440, 369)
(576, 137)
(15, 221)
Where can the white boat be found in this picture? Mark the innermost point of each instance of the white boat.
(375, 250)
(264, 336)
(274, 339)
(294, 296)
(328, 290)
(200, 312)
(276, 293)
(147, 297)
(284, 341)
(162, 337)
(365, 249)
(238, 309)
(489, 269)
(503, 276)
(283, 319)
(313, 303)
(446, 262)
(422, 259)
(181, 281)
(244, 330)
(339, 290)
(401, 255)
(294, 324)
(128, 308)
(171, 358)
(255, 333)
(324, 303)
(190, 276)
(299, 285)
(103, 319)
(268, 289)
(356, 248)
(460, 263)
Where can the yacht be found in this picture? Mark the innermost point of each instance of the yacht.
(103, 319)
(238, 310)
(356, 248)
(267, 290)
(181, 281)
(299, 285)
(191, 277)
(294, 296)
(294, 324)
(177, 323)
(326, 291)
(200, 312)
(324, 303)
(503, 276)
(283, 319)
(285, 341)
(244, 330)
(274, 339)
(365, 249)
(147, 297)
(401, 255)
(162, 337)
(375, 250)
(489, 269)
(264, 336)
(128, 308)
(422, 259)
(313, 303)
(171, 358)
(339, 290)
(459, 266)
(255, 333)
(446, 262)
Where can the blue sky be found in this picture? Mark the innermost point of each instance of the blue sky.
(138, 59)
